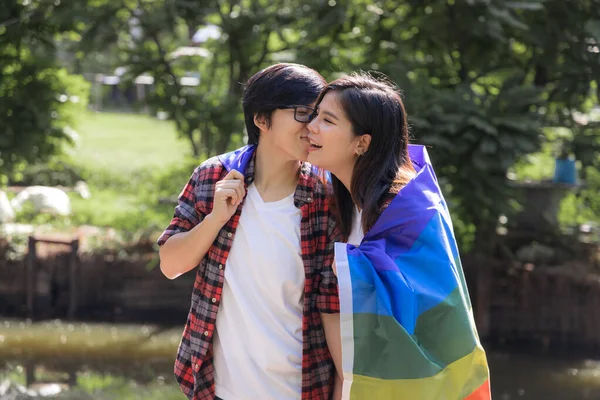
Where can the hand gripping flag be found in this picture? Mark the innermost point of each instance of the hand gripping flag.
(408, 331)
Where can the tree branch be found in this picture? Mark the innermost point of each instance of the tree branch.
(265, 51)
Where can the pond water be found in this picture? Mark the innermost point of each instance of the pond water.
(103, 361)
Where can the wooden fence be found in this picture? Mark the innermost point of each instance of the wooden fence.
(550, 307)
(106, 288)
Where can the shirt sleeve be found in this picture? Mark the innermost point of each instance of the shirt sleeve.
(328, 300)
(187, 213)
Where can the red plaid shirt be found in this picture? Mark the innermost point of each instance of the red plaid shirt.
(194, 369)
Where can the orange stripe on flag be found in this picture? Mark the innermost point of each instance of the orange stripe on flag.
(482, 392)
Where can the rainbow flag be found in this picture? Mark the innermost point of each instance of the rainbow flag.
(407, 323)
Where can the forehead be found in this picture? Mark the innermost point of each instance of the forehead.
(330, 102)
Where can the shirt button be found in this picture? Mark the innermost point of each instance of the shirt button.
(214, 300)
(196, 367)
(309, 199)
(220, 266)
(205, 333)
(229, 234)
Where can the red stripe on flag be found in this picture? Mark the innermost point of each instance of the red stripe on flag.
(482, 392)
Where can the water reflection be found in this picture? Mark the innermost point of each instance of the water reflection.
(104, 361)
(522, 376)
(87, 361)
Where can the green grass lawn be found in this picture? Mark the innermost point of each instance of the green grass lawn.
(129, 162)
(123, 143)
(125, 156)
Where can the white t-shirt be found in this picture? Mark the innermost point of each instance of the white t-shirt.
(356, 235)
(258, 341)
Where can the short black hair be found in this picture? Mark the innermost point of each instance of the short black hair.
(277, 86)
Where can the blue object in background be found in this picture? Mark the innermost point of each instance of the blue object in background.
(565, 171)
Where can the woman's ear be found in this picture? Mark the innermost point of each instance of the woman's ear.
(261, 122)
(364, 141)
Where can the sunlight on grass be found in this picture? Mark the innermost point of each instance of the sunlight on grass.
(122, 143)
(128, 161)
(109, 208)
(114, 208)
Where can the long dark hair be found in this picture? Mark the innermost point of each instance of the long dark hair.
(374, 107)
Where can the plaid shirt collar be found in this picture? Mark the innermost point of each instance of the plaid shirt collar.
(243, 161)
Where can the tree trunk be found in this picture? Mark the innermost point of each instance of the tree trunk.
(189, 134)
(223, 142)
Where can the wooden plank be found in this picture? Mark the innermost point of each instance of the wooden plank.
(73, 281)
(30, 276)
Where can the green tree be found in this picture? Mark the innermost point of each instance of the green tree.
(38, 99)
(481, 78)
(154, 38)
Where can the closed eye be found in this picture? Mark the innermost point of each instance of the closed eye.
(324, 119)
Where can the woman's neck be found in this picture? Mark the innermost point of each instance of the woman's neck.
(345, 176)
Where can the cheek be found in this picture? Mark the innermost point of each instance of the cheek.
(339, 147)
(338, 139)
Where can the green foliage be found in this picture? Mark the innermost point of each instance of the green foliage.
(585, 145)
(55, 172)
(583, 206)
(38, 99)
(157, 43)
(482, 79)
(475, 139)
(39, 106)
(134, 167)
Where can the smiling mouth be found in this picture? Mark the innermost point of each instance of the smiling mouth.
(314, 145)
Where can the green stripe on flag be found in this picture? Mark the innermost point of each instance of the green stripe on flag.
(383, 348)
(447, 330)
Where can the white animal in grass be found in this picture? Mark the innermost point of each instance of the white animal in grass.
(7, 214)
(44, 199)
(48, 199)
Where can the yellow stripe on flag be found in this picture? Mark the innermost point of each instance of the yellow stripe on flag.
(456, 382)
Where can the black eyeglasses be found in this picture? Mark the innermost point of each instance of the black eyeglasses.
(302, 114)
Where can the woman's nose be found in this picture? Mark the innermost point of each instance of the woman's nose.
(312, 126)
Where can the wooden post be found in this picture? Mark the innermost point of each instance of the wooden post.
(29, 373)
(31, 267)
(72, 380)
(73, 281)
(30, 280)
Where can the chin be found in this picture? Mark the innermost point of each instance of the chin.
(314, 160)
(302, 155)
